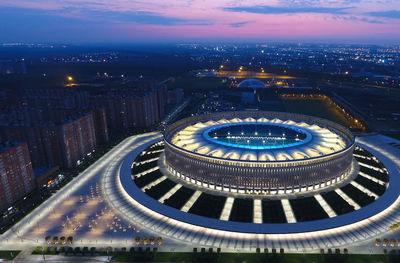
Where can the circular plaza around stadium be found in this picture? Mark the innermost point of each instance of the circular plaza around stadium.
(268, 152)
(258, 179)
(148, 191)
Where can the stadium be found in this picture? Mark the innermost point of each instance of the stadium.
(263, 152)
(252, 83)
(268, 180)
(225, 169)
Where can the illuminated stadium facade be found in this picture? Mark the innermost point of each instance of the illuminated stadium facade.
(247, 180)
(144, 189)
(268, 152)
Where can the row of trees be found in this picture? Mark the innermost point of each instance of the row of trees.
(139, 240)
(150, 240)
(55, 250)
(386, 242)
(62, 240)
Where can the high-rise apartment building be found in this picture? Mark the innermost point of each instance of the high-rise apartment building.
(61, 142)
(16, 173)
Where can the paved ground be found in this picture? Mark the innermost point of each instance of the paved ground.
(26, 256)
(79, 210)
(82, 210)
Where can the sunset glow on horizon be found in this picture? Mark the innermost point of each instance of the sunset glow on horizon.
(179, 20)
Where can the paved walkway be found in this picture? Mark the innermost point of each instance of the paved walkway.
(83, 210)
(348, 233)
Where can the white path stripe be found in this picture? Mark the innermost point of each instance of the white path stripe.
(156, 182)
(191, 201)
(257, 211)
(365, 190)
(287, 208)
(347, 199)
(372, 178)
(146, 172)
(226, 212)
(147, 161)
(155, 151)
(169, 193)
(327, 208)
(362, 156)
(371, 167)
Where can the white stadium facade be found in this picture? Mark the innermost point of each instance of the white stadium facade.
(247, 180)
(239, 181)
(270, 152)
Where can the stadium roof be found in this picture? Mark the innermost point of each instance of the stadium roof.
(320, 141)
(251, 83)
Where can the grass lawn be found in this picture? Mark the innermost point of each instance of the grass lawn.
(271, 106)
(317, 108)
(8, 254)
(190, 83)
(256, 258)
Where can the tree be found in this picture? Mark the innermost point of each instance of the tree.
(77, 250)
(377, 242)
(38, 250)
(69, 250)
(53, 250)
(392, 242)
(385, 242)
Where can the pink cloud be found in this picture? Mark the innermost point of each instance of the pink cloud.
(216, 22)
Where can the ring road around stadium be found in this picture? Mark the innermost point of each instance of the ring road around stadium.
(259, 179)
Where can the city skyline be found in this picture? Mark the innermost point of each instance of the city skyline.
(96, 21)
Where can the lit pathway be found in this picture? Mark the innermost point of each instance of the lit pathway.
(327, 208)
(169, 193)
(347, 199)
(370, 167)
(154, 183)
(155, 151)
(362, 156)
(226, 211)
(191, 201)
(257, 212)
(287, 208)
(148, 161)
(147, 171)
(365, 190)
(372, 178)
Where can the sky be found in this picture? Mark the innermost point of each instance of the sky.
(141, 21)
